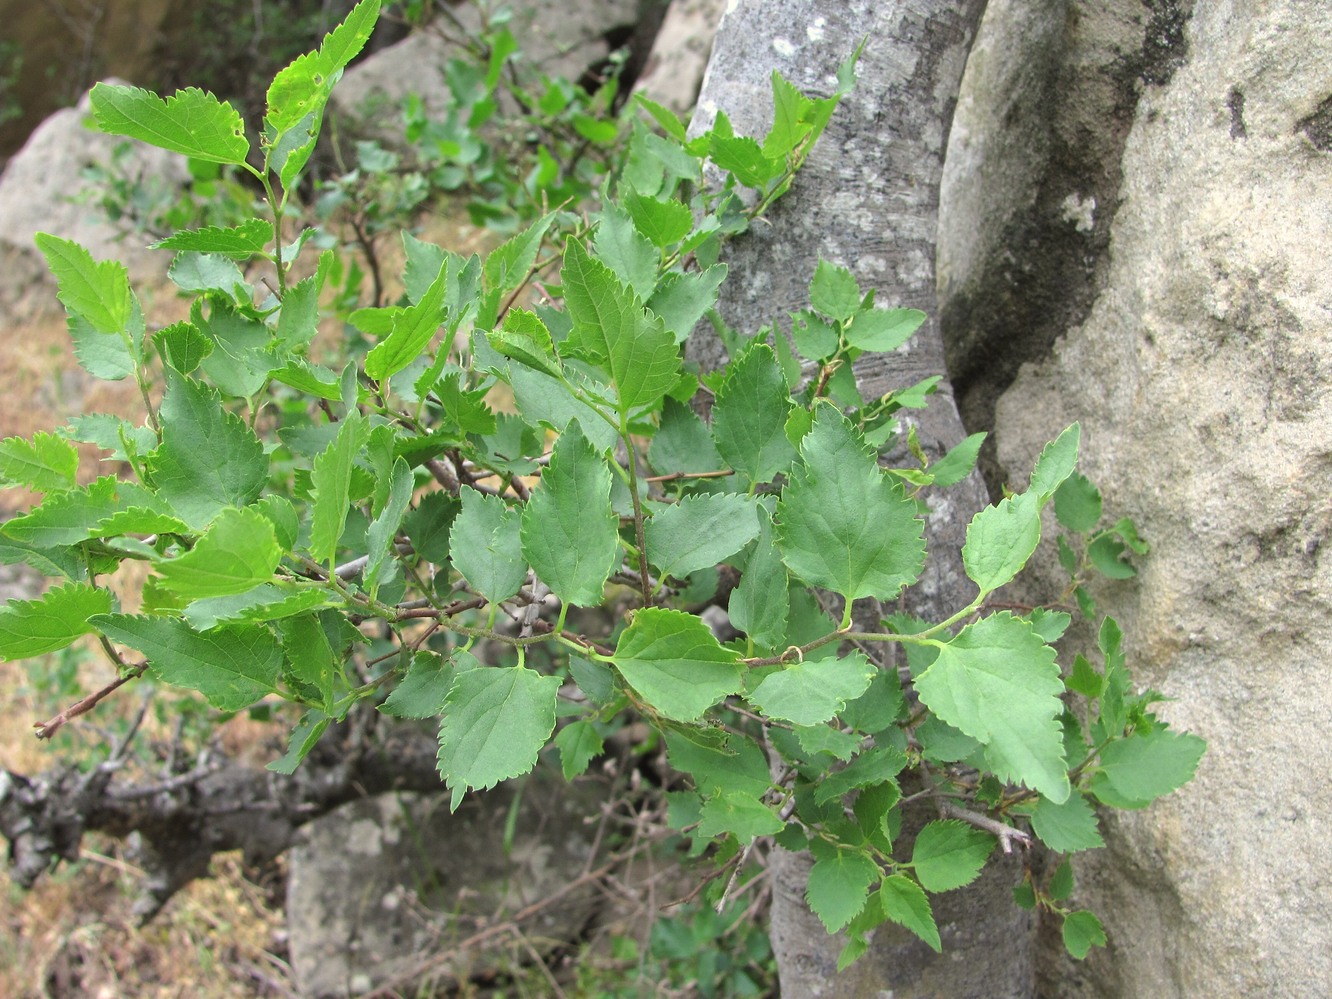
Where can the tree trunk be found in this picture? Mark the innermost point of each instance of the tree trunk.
(868, 199)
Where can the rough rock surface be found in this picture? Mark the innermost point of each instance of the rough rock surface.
(674, 69)
(379, 885)
(37, 192)
(1199, 369)
(560, 39)
(867, 198)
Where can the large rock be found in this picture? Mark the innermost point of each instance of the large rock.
(557, 39)
(39, 191)
(378, 886)
(1199, 368)
(673, 72)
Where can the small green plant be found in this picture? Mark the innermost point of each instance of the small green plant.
(348, 534)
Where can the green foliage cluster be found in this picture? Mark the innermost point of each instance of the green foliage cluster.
(368, 528)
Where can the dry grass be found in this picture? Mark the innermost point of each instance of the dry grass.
(74, 935)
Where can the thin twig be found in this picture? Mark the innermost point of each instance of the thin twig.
(1007, 834)
(51, 726)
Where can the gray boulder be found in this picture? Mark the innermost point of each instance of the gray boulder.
(379, 886)
(1194, 342)
(39, 191)
(557, 39)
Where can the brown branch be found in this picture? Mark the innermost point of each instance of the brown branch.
(51, 726)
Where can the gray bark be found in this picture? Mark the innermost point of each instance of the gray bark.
(868, 199)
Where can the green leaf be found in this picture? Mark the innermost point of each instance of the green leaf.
(204, 272)
(742, 156)
(429, 524)
(282, 515)
(875, 766)
(486, 546)
(941, 743)
(682, 442)
(111, 433)
(298, 320)
(760, 604)
(1000, 540)
(789, 126)
(628, 253)
(718, 762)
(1049, 625)
(266, 602)
(662, 222)
(842, 523)
(507, 265)
(45, 463)
(613, 331)
(839, 884)
(331, 478)
(231, 667)
(700, 531)
(1107, 553)
(67, 518)
(54, 620)
(243, 241)
(99, 293)
(957, 464)
(883, 330)
(1055, 463)
(814, 337)
(595, 679)
(423, 692)
(664, 116)
(579, 744)
(245, 351)
(949, 854)
(682, 298)
(190, 121)
(675, 663)
(379, 537)
(108, 356)
(182, 346)
(749, 416)
(237, 553)
(1068, 827)
(525, 339)
(905, 904)
(1084, 679)
(1139, 769)
(826, 739)
(495, 723)
(1077, 503)
(312, 379)
(834, 292)
(309, 648)
(209, 458)
(811, 692)
(740, 815)
(877, 708)
(1082, 932)
(302, 89)
(548, 401)
(413, 329)
(570, 535)
(304, 737)
(998, 682)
